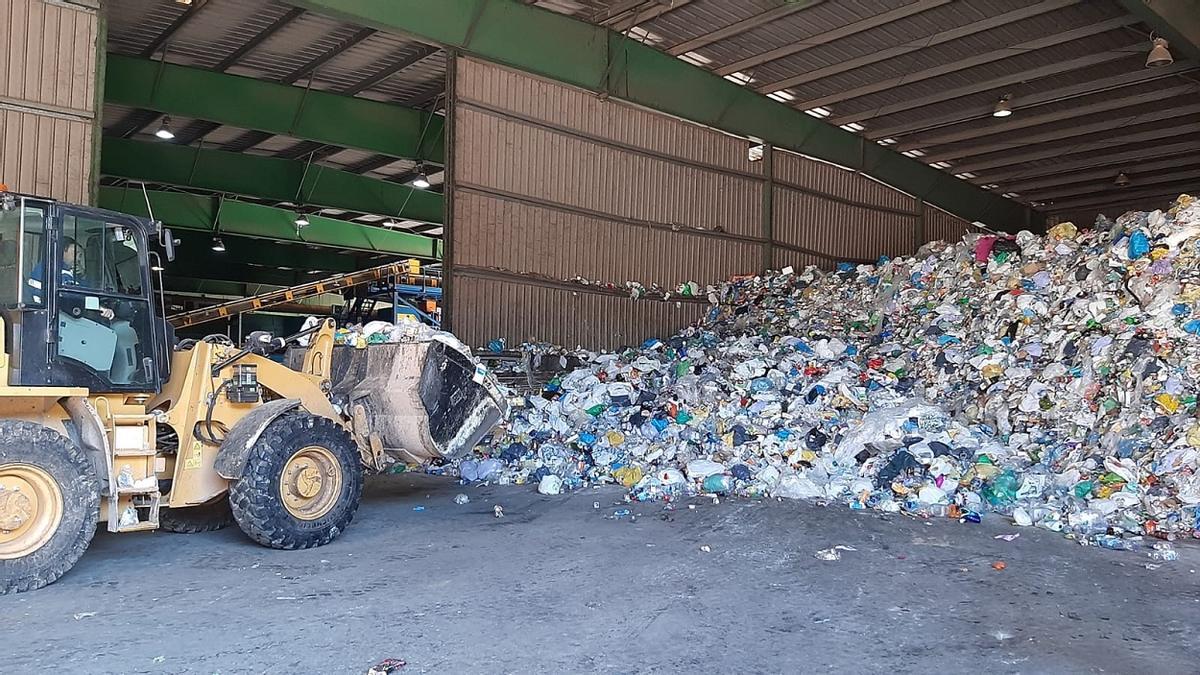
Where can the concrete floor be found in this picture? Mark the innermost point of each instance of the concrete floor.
(556, 587)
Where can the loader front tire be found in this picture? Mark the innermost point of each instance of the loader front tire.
(301, 484)
(49, 505)
(210, 517)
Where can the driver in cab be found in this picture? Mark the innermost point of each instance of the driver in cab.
(67, 268)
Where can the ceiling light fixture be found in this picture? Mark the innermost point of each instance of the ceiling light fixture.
(164, 130)
(421, 181)
(1159, 55)
(1003, 106)
(218, 245)
(1122, 180)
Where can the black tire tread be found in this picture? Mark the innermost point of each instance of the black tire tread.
(210, 517)
(254, 497)
(28, 442)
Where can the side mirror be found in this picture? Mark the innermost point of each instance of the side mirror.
(168, 242)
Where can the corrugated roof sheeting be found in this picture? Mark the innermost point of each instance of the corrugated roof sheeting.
(413, 83)
(956, 101)
(949, 53)
(306, 38)
(902, 92)
(1075, 129)
(699, 16)
(219, 28)
(133, 25)
(985, 99)
(984, 126)
(791, 30)
(926, 25)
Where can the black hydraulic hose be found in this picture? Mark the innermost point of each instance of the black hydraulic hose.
(211, 438)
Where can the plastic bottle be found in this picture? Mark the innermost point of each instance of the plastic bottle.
(1087, 522)
(1113, 542)
(1163, 552)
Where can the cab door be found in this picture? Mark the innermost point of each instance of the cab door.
(101, 317)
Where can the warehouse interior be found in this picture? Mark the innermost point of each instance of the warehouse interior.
(571, 184)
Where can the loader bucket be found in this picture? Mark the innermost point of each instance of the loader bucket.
(419, 401)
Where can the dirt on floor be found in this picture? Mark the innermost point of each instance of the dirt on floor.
(558, 585)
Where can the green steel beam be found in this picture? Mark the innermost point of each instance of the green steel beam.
(270, 178)
(597, 59)
(248, 261)
(1176, 20)
(272, 107)
(179, 284)
(215, 215)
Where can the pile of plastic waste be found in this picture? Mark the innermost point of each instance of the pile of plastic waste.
(1052, 379)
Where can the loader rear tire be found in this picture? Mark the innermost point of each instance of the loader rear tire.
(301, 484)
(210, 517)
(49, 505)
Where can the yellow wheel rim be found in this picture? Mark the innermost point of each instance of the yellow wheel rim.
(31, 508)
(311, 482)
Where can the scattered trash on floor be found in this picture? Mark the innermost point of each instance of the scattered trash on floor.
(1007, 537)
(834, 553)
(82, 615)
(498, 510)
(461, 499)
(999, 565)
(706, 548)
(1052, 379)
(386, 666)
(418, 508)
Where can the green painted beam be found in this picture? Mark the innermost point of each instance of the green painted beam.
(213, 214)
(1176, 20)
(272, 107)
(246, 260)
(269, 178)
(597, 59)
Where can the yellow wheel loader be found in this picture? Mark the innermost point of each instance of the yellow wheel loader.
(104, 419)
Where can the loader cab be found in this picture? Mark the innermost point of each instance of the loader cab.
(75, 294)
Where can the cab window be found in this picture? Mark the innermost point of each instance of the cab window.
(22, 245)
(101, 256)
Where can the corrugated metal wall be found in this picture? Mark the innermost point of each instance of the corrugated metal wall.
(834, 214)
(548, 183)
(944, 226)
(47, 97)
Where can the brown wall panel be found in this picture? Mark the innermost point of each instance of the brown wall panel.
(549, 183)
(47, 97)
(46, 155)
(837, 182)
(940, 225)
(797, 260)
(616, 121)
(840, 230)
(520, 311)
(520, 158)
(561, 245)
